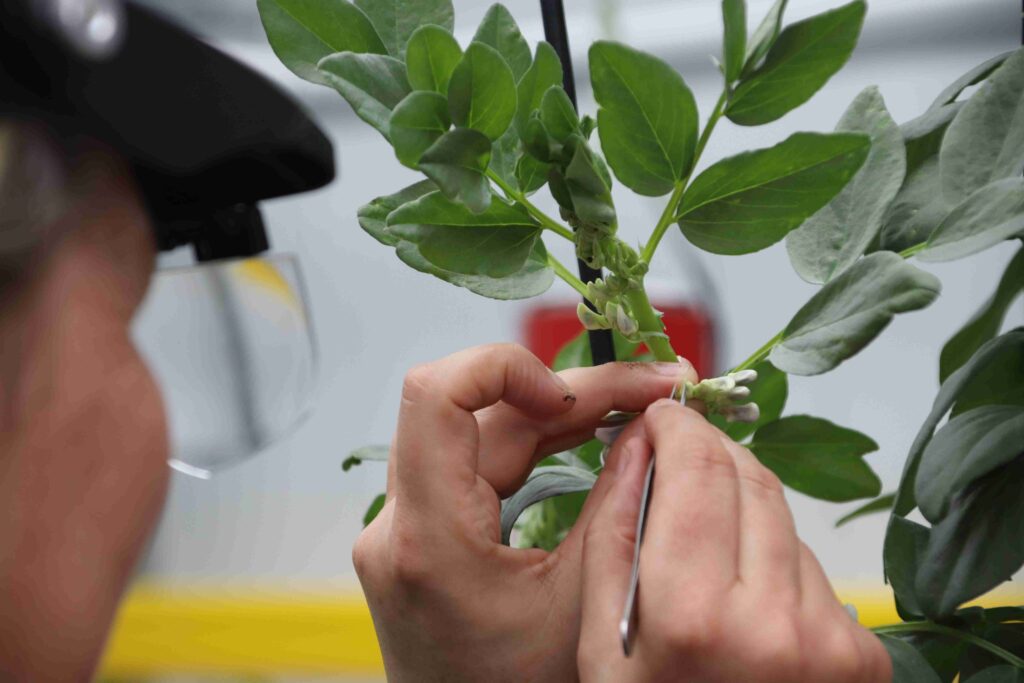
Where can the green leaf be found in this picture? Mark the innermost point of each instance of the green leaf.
(496, 242)
(908, 665)
(977, 545)
(505, 154)
(375, 507)
(801, 60)
(750, 201)
(881, 504)
(482, 92)
(998, 674)
(1000, 382)
(416, 124)
(457, 162)
(975, 661)
(851, 310)
(397, 20)
(769, 392)
(436, 209)
(302, 32)
(373, 216)
(531, 174)
(764, 36)
(986, 218)
(985, 324)
(372, 84)
(545, 72)
(558, 115)
(836, 236)
(965, 449)
(817, 458)
(499, 30)
(647, 120)
(375, 453)
(734, 44)
(431, 58)
(588, 184)
(985, 142)
(905, 544)
(972, 77)
(543, 483)
(919, 206)
(533, 279)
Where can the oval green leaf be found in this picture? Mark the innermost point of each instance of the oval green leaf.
(397, 20)
(800, 61)
(431, 58)
(851, 310)
(908, 665)
(734, 43)
(881, 504)
(839, 233)
(647, 120)
(500, 31)
(750, 201)
(482, 92)
(373, 216)
(302, 32)
(992, 214)
(533, 279)
(457, 162)
(372, 84)
(545, 72)
(416, 124)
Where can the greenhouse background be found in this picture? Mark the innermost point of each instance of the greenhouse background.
(250, 574)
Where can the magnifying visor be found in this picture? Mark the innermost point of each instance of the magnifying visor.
(228, 337)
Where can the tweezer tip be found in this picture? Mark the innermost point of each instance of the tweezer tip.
(624, 635)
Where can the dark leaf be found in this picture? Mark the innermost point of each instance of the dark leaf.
(734, 16)
(881, 504)
(908, 665)
(374, 509)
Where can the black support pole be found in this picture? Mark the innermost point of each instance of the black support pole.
(602, 348)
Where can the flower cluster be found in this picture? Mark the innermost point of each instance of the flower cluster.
(720, 395)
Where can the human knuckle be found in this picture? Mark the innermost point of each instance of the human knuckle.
(419, 382)
(845, 661)
(696, 635)
(762, 479)
(778, 652)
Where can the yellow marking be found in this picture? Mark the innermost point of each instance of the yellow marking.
(266, 274)
(253, 631)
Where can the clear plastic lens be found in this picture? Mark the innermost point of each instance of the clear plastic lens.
(231, 346)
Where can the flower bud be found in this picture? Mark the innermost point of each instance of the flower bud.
(590, 319)
(625, 323)
(738, 394)
(744, 376)
(748, 412)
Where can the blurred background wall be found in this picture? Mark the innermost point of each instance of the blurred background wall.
(287, 519)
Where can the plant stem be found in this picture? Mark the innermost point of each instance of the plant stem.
(545, 220)
(760, 354)
(564, 273)
(931, 627)
(669, 214)
(910, 251)
(649, 321)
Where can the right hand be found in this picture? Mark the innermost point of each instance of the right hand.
(728, 592)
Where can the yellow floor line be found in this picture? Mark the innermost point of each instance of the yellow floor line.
(244, 630)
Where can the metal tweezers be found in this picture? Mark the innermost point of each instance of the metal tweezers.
(627, 625)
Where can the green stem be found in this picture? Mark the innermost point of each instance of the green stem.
(649, 321)
(910, 251)
(564, 273)
(938, 629)
(668, 216)
(545, 220)
(760, 354)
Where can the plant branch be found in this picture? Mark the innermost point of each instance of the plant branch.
(910, 251)
(649, 321)
(545, 220)
(938, 629)
(564, 273)
(668, 216)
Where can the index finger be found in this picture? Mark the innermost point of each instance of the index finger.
(437, 445)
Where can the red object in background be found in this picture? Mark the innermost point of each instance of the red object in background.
(548, 328)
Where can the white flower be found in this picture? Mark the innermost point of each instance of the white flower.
(744, 376)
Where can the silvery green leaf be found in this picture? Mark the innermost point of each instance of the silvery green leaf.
(360, 455)
(851, 310)
(373, 84)
(373, 216)
(764, 36)
(972, 77)
(836, 236)
(985, 324)
(908, 665)
(431, 58)
(500, 31)
(992, 214)
(985, 142)
(396, 20)
(965, 449)
(302, 33)
(543, 483)
(533, 279)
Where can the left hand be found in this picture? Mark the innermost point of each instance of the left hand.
(449, 602)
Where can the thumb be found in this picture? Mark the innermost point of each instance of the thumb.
(608, 551)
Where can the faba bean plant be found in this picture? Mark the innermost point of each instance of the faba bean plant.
(489, 124)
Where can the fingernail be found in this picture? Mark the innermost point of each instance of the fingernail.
(567, 393)
(674, 370)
